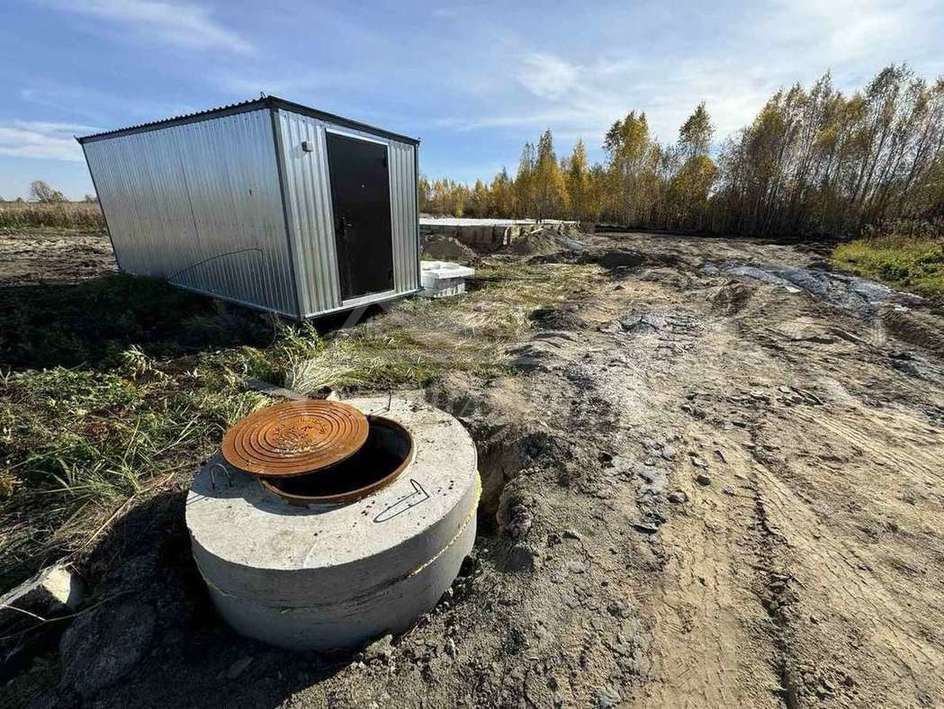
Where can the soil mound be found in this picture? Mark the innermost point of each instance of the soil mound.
(562, 318)
(436, 247)
(537, 243)
(544, 241)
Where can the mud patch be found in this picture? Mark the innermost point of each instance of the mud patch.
(617, 261)
(857, 295)
(669, 324)
(729, 299)
(916, 328)
(562, 318)
(47, 258)
(620, 260)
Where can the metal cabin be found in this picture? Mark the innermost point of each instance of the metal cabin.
(265, 203)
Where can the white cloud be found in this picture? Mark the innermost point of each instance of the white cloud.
(661, 70)
(40, 139)
(182, 24)
(547, 76)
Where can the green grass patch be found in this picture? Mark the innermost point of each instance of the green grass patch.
(77, 443)
(112, 389)
(913, 263)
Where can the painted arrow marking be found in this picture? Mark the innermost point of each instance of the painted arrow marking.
(418, 496)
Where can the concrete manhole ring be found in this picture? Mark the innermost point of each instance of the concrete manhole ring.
(334, 576)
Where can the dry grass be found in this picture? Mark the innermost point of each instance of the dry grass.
(418, 340)
(77, 216)
(130, 404)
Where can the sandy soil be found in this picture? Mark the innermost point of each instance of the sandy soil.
(702, 489)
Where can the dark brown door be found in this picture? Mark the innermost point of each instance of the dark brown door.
(360, 197)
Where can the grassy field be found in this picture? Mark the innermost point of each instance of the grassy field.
(114, 388)
(81, 216)
(911, 262)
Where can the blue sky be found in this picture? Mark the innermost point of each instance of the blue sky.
(473, 80)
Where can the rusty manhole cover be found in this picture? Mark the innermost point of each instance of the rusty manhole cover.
(295, 438)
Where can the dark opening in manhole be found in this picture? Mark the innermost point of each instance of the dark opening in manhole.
(384, 455)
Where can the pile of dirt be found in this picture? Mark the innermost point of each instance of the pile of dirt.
(436, 247)
(536, 243)
(544, 241)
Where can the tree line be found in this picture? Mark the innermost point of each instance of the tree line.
(814, 161)
(43, 193)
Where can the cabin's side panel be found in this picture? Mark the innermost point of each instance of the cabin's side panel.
(403, 196)
(308, 205)
(200, 205)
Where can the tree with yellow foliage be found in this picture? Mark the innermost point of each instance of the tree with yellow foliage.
(550, 192)
(524, 182)
(690, 186)
(583, 205)
(503, 195)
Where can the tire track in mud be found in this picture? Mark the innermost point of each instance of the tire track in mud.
(914, 447)
(724, 650)
(807, 674)
(773, 579)
(842, 580)
(704, 612)
(838, 581)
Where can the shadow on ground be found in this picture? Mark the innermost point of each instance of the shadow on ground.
(90, 323)
(150, 637)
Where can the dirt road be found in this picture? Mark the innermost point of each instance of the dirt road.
(714, 486)
(755, 479)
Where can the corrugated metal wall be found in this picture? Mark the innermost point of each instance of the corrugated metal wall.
(311, 222)
(405, 220)
(308, 205)
(200, 205)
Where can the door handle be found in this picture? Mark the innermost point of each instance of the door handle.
(343, 224)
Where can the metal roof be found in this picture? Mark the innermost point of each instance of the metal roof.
(242, 107)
